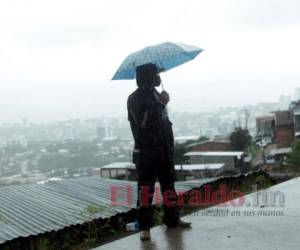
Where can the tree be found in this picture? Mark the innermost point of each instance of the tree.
(293, 159)
(179, 152)
(240, 139)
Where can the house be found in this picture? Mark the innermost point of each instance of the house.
(295, 108)
(210, 146)
(281, 128)
(118, 170)
(284, 128)
(278, 155)
(264, 127)
(232, 160)
(297, 124)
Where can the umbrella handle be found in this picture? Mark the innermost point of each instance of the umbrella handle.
(162, 86)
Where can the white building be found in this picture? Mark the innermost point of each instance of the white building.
(232, 160)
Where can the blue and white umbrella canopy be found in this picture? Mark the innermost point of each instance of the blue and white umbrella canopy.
(165, 55)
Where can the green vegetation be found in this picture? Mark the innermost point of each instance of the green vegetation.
(179, 151)
(293, 160)
(158, 215)
(253, 150)
(43, 243)
(92, 209)
(240, 139)
(263, 182)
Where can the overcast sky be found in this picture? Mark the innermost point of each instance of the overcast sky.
(57, 57)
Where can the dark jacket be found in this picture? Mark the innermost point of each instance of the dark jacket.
(149, 122)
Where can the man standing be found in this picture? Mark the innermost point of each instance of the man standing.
(154, 149)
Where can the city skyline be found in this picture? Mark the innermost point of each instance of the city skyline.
(283, 102)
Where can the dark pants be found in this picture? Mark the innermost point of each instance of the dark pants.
(152, 165)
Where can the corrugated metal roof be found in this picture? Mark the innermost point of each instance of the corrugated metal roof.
(217, 153)
(182, 139)
(115, 165)
(225, 141)
(191, 167)
(32, 209)
(280, 151)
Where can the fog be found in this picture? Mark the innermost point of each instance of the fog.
(57, 57)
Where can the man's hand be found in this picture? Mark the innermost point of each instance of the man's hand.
(164, 97)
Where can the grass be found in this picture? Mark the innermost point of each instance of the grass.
(92, 209)
(158, 215)
(254, 150)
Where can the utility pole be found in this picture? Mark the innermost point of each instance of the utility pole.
(239, 122)
(247, 114)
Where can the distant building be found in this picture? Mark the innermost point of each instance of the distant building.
(297, 124)
(284, 128)
(284, 101)
(297, 94)
(109, 132)
(214, 122)
(295, 109)
(281, 128)
(67, 132)
(101, 133)
(74, 132)
(265, 126)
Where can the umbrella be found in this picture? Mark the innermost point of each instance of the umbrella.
(165, 55)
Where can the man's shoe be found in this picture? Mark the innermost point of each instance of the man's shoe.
(145, 235)
(180, 223)
(184, 224)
